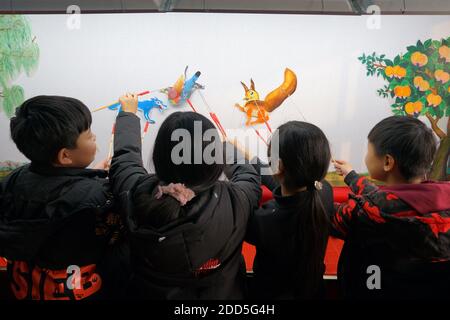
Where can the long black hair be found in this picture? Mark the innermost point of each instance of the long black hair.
(305, 154)
(195, 172)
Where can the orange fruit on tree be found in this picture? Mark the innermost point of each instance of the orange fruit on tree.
(419, 59)
(413, 108)
(417, 81)
(441, 75)
(399, 72)
(389, 71)
(402, 72)
(398, 91)
(424, 85)
(418, 106)
(421, 84)
(444, 52)
(402, 91)
(409, 108)
(406, 91)
(434, 99)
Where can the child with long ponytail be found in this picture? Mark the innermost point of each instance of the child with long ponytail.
(291, 231)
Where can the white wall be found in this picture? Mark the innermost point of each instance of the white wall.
(112, 54)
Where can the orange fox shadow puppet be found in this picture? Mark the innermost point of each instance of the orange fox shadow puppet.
(255, 108)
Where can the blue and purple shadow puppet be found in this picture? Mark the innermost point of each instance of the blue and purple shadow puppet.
(145, 106)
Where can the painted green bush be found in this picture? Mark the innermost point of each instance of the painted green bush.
(19, 53)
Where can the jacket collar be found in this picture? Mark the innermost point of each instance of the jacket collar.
(425, 197)
(288, 201)
(66, 171)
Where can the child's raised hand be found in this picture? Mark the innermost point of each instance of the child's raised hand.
(129, 102)
(103, 165)
(239, 147)
(342, 167)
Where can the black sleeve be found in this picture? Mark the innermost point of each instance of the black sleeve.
(259, 223)
(252, 234)
(266, 180)
(242, 175)
(126, 165)
(327, 197)
(3, 183)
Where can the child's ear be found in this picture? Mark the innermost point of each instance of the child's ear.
(279, 174)
(280, 167)
(389, 163)
(64, 157)
(252, 85)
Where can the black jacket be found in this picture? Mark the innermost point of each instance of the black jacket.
(196, 257)
(52, 218)
(272, 230)
(397, 240)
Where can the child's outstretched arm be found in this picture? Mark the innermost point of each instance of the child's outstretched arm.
(126, 165)
(359, 185)
(242, 174)
(266, 180)
(343, 216)
(347, 212)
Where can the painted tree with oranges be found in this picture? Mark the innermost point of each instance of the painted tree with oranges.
(419, 83)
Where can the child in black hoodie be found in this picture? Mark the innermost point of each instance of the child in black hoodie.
(186, 227)
(56, 218)
(397, 237)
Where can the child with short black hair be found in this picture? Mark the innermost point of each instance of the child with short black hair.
(401, 229)
(56, 216)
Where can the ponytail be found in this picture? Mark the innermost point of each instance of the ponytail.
(305, 154)
(312, 237)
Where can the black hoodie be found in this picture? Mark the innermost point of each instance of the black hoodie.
(195, 257)
(50, 219)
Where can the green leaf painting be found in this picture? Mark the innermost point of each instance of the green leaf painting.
(19, 53)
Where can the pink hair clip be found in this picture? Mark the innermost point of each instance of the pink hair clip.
(176, 190)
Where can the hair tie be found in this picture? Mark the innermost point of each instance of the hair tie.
(176, 190)
(316, 185)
